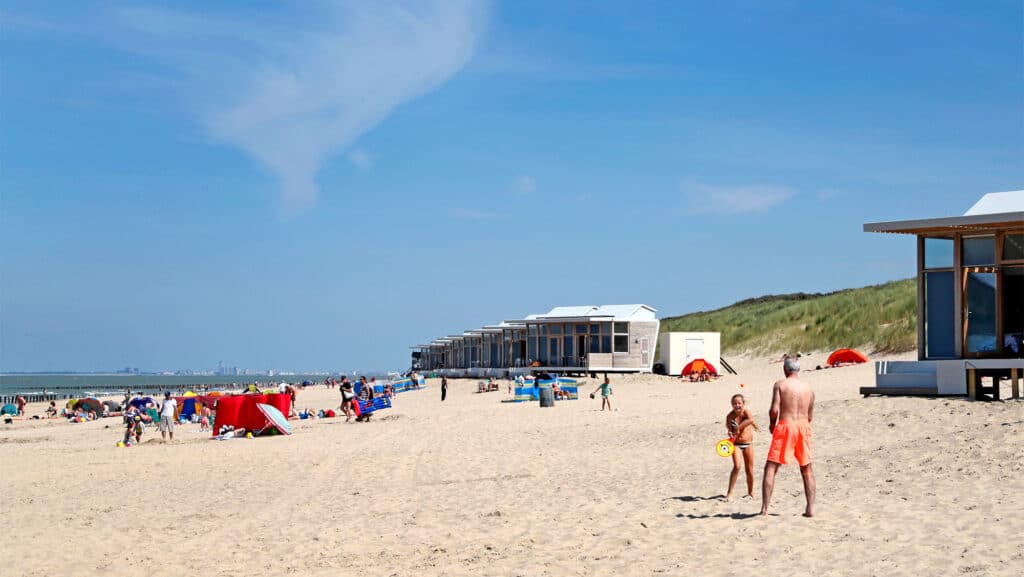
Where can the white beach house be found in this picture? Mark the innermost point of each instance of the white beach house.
(573, 339)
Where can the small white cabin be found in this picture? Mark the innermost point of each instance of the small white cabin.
(678, 349)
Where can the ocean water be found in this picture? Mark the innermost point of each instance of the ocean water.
(77, 383)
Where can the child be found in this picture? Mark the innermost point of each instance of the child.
(133, 427)
(204, 419)
(606, 391)
(740, 424)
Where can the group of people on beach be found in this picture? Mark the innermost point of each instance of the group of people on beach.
(790, 416)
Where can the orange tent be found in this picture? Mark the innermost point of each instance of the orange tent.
(846, 356)
(698, 365)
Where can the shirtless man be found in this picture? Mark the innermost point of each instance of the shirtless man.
(790, 423)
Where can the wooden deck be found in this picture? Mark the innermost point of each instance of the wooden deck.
(900, 391)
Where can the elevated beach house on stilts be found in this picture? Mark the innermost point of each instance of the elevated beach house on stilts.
(575, 339)
(970, 302)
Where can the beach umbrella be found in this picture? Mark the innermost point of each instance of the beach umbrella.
(112, 406)
(141, 402)
(190, 394)
(9, 409)
(306, 383)
(846, 356)
(698, 365)
(275, 418)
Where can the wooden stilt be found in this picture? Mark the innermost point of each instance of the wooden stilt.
(1015, 387)
(972, 384)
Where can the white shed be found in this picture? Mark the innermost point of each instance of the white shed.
(677, 349)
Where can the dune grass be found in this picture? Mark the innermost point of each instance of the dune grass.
(878, 318)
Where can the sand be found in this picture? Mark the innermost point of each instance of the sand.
(474, 486)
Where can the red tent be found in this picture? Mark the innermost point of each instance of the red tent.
(846, 356)
(241, 412)
(698, 365)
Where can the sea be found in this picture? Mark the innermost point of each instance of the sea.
(76, 384)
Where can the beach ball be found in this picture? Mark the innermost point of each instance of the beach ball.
(248, 435)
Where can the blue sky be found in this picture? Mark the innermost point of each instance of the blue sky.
(314, 185)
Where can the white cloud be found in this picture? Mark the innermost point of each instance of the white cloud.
(360, 158)
(525, 184)
(710, 199)
(293, 90)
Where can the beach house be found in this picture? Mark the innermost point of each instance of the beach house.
(571, 339)
(970, 301)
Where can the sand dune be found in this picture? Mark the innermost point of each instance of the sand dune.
(475, 486)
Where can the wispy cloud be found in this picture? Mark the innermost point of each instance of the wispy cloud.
(360, 158)
(293, 90)
(524, 184)
(716, 199)
(471, 214)
(826, 194)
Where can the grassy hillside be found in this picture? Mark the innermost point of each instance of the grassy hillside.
(879, 318)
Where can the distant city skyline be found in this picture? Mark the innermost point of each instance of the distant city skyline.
(327, 184)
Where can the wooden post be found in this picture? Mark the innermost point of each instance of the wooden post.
(1015, 387)
(972, 384)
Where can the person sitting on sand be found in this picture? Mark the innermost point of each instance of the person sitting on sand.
(790, 423)
(51, 411)
(740, 424)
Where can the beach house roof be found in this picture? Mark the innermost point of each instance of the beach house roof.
(635, 312)
(993, 210)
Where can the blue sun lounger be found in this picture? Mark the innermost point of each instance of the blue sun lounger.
(376, 404)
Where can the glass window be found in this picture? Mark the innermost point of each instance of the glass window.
(606, 328)
(556, 329)
(981, 313)
(553, 351)
(567, 346)
(621, 328)
(978, 251)
(581, 329)
(622, 343)
(938, 253)
(1013, 247)
(595, 344)
(533, 329)
(595, 329)
(543, 329)
(606, 343)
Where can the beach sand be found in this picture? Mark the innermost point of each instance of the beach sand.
(474, 486)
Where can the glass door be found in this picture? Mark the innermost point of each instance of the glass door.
(980, 312)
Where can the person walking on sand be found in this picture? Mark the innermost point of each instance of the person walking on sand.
(606, 391)
(168, 413)
(790, 423)
(444, 387)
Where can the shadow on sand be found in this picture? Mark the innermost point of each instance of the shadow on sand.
(720, 516)
(689, 499)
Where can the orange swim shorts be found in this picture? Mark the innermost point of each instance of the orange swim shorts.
(791, 438)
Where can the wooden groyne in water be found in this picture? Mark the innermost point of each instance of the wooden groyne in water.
(68, 392)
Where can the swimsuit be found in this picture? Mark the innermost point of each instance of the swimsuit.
(791, 437)
(741, 446)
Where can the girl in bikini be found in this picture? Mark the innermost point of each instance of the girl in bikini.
(740, 424)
